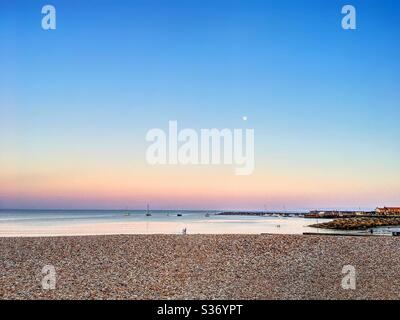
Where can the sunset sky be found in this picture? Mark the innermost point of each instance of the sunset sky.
(76, 102)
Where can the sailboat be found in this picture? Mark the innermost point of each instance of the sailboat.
(127, 213)
(148, 214)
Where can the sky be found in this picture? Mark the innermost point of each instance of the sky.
(76, 102)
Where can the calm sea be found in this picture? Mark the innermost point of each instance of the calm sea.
(101, 222)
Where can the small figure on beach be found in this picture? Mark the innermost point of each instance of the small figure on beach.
(184, 231)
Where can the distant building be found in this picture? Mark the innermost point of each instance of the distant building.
(388, 211)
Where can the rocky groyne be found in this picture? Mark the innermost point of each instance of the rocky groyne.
(359, 223)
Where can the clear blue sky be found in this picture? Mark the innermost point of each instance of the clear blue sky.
(318, 96)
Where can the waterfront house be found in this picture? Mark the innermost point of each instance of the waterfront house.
(388, 211)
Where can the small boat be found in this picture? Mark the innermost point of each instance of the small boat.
(148, 214)
(179, 215)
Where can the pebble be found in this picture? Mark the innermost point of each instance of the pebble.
(200, 267)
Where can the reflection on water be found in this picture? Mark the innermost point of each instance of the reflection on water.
(85, 222)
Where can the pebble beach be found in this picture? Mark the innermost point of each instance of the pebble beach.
(200, 267)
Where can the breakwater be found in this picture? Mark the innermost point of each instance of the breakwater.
(359, 223)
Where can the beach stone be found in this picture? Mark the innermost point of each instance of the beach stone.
(200, 267)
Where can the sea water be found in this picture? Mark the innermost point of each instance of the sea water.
(105, 222)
